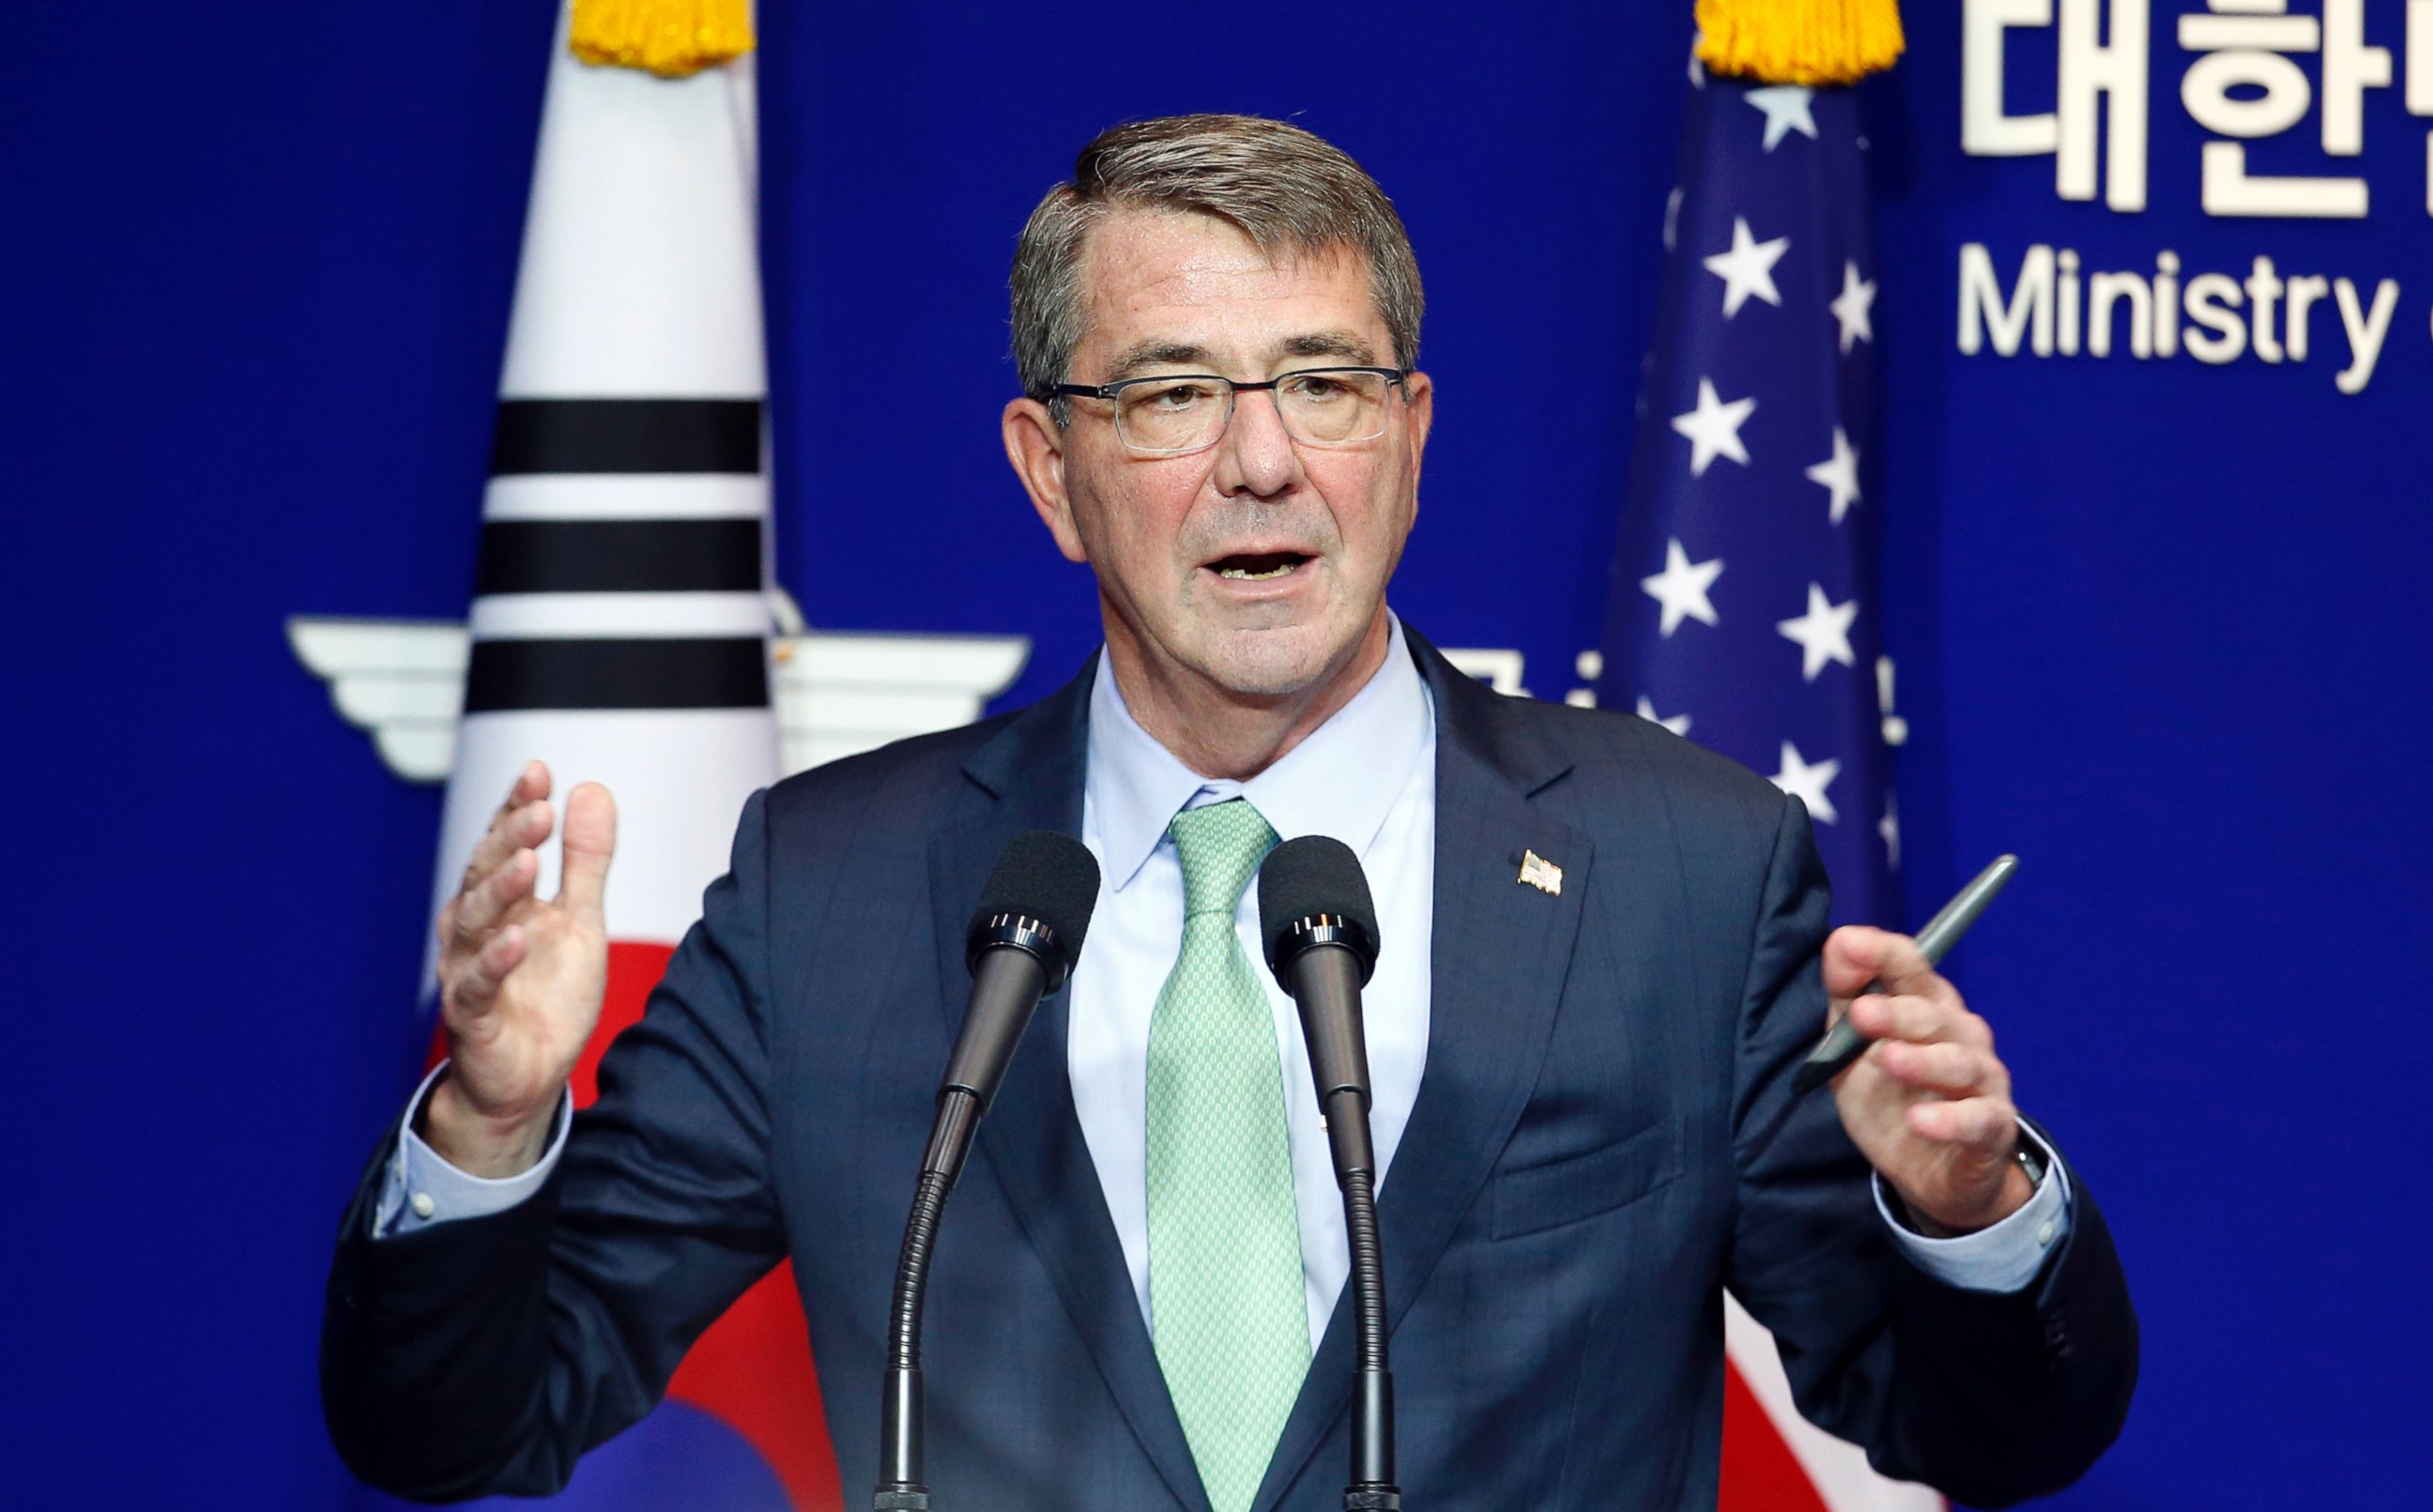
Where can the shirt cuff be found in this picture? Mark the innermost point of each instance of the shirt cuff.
(422, 1189)
(2005, 1257)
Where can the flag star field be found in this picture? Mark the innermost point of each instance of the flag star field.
(1745, 613)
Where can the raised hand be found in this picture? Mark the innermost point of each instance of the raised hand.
(1930, 1103)
(521, 977)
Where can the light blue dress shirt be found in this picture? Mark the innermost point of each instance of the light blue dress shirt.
(1366, 777)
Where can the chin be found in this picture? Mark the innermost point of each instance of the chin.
(1277, 663)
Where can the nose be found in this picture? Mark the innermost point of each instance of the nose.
(1255, 457)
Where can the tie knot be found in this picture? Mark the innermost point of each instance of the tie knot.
(1222, 847)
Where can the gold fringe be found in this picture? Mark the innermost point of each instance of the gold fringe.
(1799, 41)
(671, 37)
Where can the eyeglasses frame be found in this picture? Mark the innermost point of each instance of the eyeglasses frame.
(1395, 378)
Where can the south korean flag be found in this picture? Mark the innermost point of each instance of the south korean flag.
(622, 633)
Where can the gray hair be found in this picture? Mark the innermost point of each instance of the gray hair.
(1284, 188)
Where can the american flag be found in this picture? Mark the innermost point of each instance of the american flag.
(1744, 612)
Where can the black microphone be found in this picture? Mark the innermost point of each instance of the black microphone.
(1021, 945)
(1320, 932)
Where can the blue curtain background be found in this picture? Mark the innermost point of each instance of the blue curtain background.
(2160, 626)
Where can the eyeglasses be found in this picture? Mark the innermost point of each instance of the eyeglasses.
(1173, 414)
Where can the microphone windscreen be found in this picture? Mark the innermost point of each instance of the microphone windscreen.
(1314, 874)
(1048, 876)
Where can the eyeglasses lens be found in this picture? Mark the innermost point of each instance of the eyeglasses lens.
(1188, 413)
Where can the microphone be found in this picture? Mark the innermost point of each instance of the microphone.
(1320, 932)
(1021, 945)
(1023, 940)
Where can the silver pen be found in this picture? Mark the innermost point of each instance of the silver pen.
(1842, 1044)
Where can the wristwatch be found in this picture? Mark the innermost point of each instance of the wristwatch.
(2031, 1161)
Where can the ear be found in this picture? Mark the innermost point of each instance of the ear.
(1035, 445)
(1420, 413)
(1420, 407)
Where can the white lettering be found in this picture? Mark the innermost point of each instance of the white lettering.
(2115, 69)
(2066, 288)
(2056, 306)
(2028, 311)
(2212, 302)
(2205, 89)
(2366, 331)
(2258, 25)
(2350, 69)
(2304, 290)
(2166, 303)
(2420, 56)
(1985, 132)
(2103, 291)
(2229, 190)
(2263, 290)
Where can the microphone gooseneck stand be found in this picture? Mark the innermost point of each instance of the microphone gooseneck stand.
(1018, 953)
(1372, 1488)
(903, 1477)
(1322, 937)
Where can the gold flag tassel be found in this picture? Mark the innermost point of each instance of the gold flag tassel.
(671, 37)
(1798, 41)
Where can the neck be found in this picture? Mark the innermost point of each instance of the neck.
(1218, 732)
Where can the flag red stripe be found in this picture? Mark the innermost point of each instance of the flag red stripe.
(1760, 1474)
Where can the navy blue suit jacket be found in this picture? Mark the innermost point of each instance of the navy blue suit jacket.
(1604, 1140)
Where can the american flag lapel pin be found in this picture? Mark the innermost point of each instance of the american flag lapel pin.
(1541, 874)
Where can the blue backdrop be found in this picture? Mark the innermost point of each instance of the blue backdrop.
(2159, 622)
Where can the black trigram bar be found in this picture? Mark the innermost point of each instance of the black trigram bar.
(628, 674)
(627, 436)
(618, 557)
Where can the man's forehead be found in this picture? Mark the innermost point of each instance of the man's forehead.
(1180, 279)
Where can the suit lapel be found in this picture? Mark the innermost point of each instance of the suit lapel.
(1030, 777)
(1500, 952)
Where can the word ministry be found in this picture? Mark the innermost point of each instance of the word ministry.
(2054, 308)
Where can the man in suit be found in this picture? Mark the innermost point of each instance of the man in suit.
(1582, 1071)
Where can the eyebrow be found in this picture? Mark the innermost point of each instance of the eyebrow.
(1156, 351)
(1343, 344)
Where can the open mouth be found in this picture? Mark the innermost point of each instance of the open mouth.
(1257, 567)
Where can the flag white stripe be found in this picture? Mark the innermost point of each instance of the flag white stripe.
(628, 495)
(594, 616)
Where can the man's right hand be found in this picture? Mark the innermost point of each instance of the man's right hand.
(521, 978)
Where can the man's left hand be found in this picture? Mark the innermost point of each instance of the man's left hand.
(1929, 1104)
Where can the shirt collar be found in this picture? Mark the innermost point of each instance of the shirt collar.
(1340, 780)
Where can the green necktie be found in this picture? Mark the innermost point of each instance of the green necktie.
(1231, 1327)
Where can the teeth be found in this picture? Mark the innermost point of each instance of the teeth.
(1243, 574)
